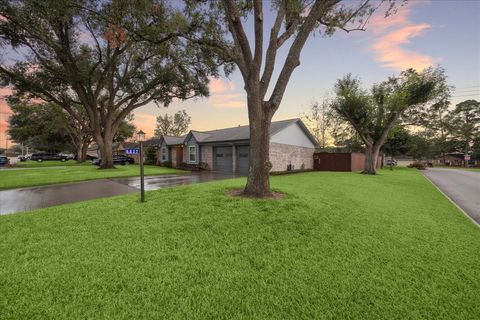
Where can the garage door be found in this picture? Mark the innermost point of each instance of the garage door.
(242, 159)
(222, 159)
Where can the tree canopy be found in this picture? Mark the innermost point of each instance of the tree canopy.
(375, 112)
(89, 53)
(175, 125)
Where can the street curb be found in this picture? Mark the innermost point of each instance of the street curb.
(454, 203)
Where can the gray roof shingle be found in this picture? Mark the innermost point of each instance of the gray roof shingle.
(238, 133)
(234, 134)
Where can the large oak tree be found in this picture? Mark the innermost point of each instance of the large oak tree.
(374, 113)
(256, 55)
(88, 53)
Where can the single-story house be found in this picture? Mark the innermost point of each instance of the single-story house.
(451, 159)
(227, 150)
(171, 150)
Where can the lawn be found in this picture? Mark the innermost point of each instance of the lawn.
(44, 164)
(12, 178)
(338, 246)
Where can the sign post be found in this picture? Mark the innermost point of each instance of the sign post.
(140, 139)
(466, 158)
(142, 175)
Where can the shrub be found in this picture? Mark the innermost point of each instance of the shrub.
(418, 164)
(167, 164)
(203, 166)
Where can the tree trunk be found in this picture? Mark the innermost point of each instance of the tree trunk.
(84, 151)
(258, 181)
(79, 154)
(371, 156)
(105, 143)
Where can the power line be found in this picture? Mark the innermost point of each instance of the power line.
(468, 95)
(469, 87)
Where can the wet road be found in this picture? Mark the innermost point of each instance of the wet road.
(462, 186)
(25, 199)
(172, 180)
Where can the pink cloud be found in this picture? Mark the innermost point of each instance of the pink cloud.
(5, 112)
(221, 86)
(145, 122)
(392, 33)
(223, 94)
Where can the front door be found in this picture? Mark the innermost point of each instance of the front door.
(179, 155)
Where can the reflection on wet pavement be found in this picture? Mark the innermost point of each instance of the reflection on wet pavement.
(25, 199)
(172, 180)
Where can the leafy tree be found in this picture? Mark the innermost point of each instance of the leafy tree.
(319, 121)
(436, 122)
(126, 130)
(175, 125)
(397, 142)
(374, 113)
(465, 122)
(49, 127)
(87, 53)
(420, 146)
(40, 127)
(294, 22)
(150, 155)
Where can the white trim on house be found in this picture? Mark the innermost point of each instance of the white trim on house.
(164, 154)
(292, 135)
(190, 154)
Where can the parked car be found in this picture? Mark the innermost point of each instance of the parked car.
(118, 159)
(4, 161)
(22, 158)
(47, 156)
(391, 162)
(69, 156)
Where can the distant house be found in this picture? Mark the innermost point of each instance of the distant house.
(227, 150)
(451, 159)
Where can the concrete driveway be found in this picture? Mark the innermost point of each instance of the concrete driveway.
(461, 186)
(25, 199)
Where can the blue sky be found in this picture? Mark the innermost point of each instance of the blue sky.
(421, 33)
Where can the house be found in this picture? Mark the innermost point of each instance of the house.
(171, 150)
(227, 150)
(450, 159)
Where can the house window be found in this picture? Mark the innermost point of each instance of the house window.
(192, 153)
(164, 154)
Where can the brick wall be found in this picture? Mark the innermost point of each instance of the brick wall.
(207, 155)
(281, 155)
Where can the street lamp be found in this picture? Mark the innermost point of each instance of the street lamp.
(140, 139)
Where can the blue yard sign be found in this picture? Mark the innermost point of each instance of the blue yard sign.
(132, 151)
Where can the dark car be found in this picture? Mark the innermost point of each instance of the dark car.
(391, 162)
(4, 161)
(119, 159)
(48, 156)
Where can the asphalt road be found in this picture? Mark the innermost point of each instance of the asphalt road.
(462, 186)
(25, 199)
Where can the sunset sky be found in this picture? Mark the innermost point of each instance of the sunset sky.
(421, 34)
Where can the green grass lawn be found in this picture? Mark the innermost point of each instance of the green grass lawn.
(11, 178)
(338, 246)
(44, 164)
